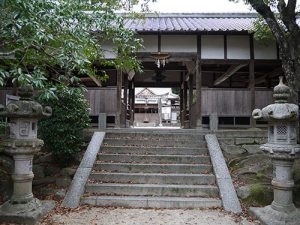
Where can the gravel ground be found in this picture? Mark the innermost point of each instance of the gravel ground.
(120, 216)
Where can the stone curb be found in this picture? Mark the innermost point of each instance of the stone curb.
(81, 176)
(228, 195)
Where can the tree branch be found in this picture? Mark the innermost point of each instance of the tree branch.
(10, 52)
(288, 14)
(265, 11)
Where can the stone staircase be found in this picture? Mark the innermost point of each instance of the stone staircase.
(152, 169)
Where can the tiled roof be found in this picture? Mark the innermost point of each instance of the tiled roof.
(192, 22)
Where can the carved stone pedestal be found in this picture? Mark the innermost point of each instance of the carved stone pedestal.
(269, 216)
(26, 213)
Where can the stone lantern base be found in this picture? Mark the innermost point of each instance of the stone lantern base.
(269, 216)
(27, 213)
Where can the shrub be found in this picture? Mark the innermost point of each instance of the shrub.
(63, 132)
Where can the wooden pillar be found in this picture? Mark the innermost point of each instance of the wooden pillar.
(133, 102)
(130, 103)
(184, 104)
(252, 91)
(198, 94)
(125, 97)
(119, 99)
(181, 101)
(190, 98)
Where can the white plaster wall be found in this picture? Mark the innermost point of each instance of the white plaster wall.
(262, 51)
(238, 47)
(150, 43)
(179, 43)
(212, 47)
(108, 50)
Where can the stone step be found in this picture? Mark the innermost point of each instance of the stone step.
(153, 168)
(154, 158)
(154, 150)
(151, 143)
(152, 202)
(154, 178)
(153, 189)
(156, 136)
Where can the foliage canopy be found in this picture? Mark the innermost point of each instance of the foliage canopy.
(57, 40)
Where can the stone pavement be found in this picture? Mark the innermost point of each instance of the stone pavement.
(121, 216)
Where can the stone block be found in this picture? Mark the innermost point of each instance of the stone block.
(244, 192)
(61, 193)
(68, 171)
(63, 181)
(261, 140)
(29, 213)
(252, 149)
(213, 122)
(102, 121)
(226, 141)
(233, 149)
(242, 141)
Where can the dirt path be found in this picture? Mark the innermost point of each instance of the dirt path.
(120, 216)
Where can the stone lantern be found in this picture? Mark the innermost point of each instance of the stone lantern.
(22, 144)
(283, 149)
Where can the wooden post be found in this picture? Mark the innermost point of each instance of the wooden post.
(198, 94)
(133, 102)
(130, 103)
(252, 91)
(119, 100)
(184, 104)
(181, 100)
(125, 97)
(190, 98)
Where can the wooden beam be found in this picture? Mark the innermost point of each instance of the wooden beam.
(96, 81)
(174, 57)
(232, 69)
(276, 72)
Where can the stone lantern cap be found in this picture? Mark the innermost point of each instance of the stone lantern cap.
(280, 110)
(25, 107)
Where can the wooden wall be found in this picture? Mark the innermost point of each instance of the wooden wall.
(230, 102)
(224, 102)
(102, 100)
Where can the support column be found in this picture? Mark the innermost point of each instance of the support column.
(181, 101)
(252, 91)
(125, 97)
(198, 94)
(191, 88)
(184, 104)
(119, 100)
(133, 102)
(130, 102)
